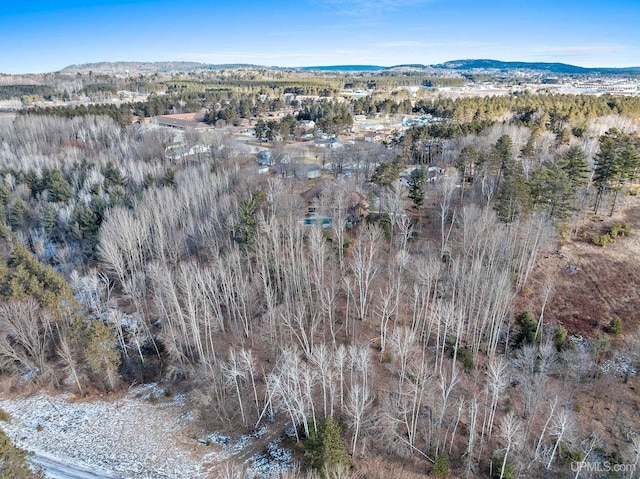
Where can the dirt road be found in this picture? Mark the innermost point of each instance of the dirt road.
(56, 468)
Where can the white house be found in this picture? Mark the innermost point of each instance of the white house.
(373, 137)
(313, 171)
(329, 143)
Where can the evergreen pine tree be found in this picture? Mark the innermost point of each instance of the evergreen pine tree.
(13, 461)
(325, 447)
(49, 220)
(101, 352)
(18, 214)
(417, 181)
(574, 163)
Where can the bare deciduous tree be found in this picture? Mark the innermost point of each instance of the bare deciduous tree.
(356, 407)
(364, 265)
(234, 371)
(496, 383)
(510, 429)
(68, 360)
(25, 334)
(561, 427)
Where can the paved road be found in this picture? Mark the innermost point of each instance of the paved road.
(55, 468)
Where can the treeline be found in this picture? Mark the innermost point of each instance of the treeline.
(323, 85)
(64, 86)
(444, 82)
(564, 115)
(548, 111)
(168, 104)
(566, 118)
(388, 80)
(274, 87)
(370, 105)
(8, 92)
(103, 88)
(222, 105)
(122, 113)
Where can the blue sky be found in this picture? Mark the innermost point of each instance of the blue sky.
(43, 36)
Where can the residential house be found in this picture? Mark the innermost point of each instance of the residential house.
(311, 197)
(313, 171)
(264, 158)
(358, 208)
(182, 151)
(308, 124)
(372, 137)
(435, 170)
(328, 143)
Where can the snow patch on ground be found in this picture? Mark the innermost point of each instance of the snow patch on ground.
(619, 364)
(130, 437)
(273, 461)
(142, 435)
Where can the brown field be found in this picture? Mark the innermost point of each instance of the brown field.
(592, 284)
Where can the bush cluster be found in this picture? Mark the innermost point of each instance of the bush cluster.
(616, 230)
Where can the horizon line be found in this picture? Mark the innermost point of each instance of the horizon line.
(321, 66)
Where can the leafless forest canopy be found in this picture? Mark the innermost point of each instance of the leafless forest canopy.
(401, 318)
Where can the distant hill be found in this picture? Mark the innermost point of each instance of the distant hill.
(409, 66)
(560, 68)
(365, 68)
(482, 64)
(498, 65)
(455, 65)
(152, 67)
(343, 68)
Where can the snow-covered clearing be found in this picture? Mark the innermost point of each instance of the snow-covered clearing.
(142, 435)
